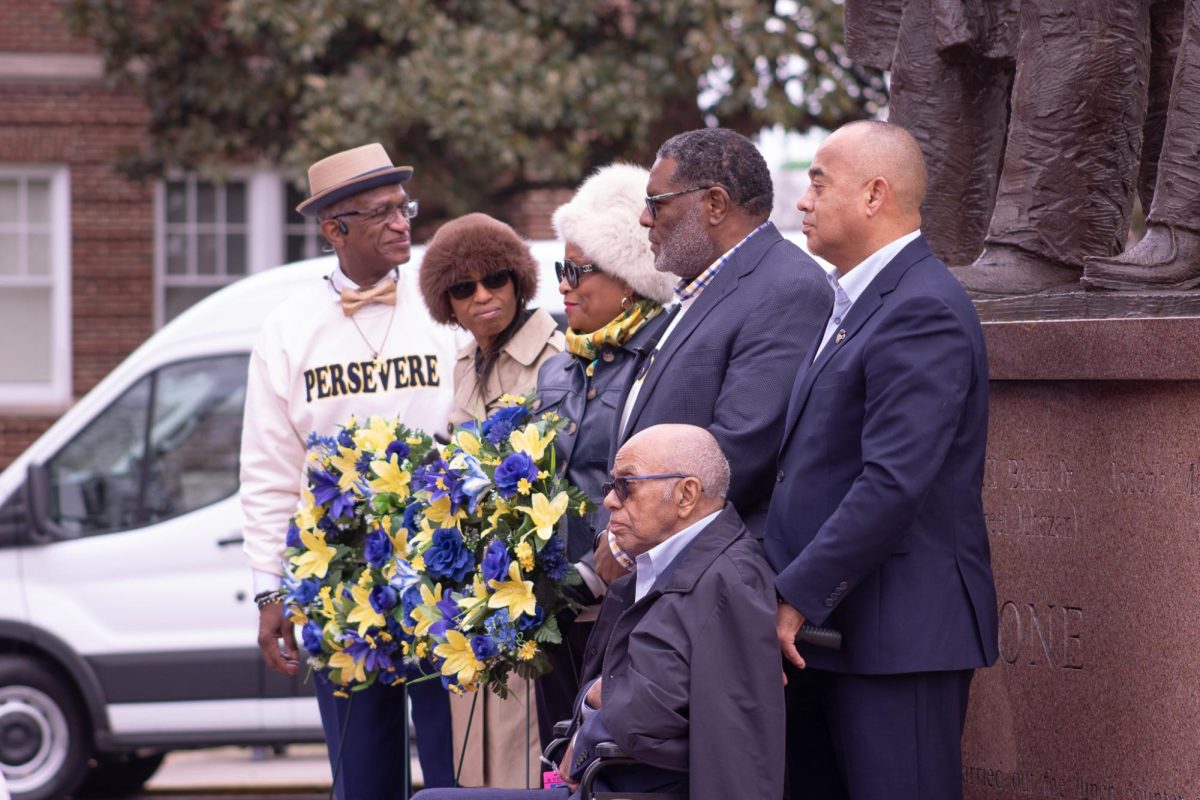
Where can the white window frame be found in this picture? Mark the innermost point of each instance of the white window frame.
(54, 394)
(310, 229)
(263, 230)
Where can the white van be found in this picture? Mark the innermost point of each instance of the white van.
(127, 622)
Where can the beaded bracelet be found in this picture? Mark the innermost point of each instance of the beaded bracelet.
(264, 599)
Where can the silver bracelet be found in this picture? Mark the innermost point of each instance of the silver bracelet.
(264, 599)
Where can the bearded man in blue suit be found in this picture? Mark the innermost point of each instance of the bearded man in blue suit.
(876, 524)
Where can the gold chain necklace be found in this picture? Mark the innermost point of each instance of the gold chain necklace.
(376, 352)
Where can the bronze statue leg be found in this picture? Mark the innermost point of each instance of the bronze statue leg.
(1073, 145)
(956, 105)
(1168, 257)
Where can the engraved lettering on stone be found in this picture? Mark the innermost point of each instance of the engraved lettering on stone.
(1041, 635)
(1130, 479)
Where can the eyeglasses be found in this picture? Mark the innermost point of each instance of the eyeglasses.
(384, 213)
(621, 485)
(653, 200)
(571, 271)
(464, 289)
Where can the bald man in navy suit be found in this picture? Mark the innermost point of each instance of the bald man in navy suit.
(876, 523)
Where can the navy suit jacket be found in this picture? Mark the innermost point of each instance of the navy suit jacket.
(731, 360)
(876, 527)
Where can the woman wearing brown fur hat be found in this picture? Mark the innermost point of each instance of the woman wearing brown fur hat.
(479, 274)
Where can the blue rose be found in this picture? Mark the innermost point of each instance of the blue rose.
(495, 561)
(502, 422)
(293, 536)
(528, 623)
(410, 516)
(484, 647)
(310, 637)
(396, 448)
(512, 470)
(384, 598)
(378, 548)
(553, 559)
(447, 557)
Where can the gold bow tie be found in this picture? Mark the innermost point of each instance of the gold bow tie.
(382, 292)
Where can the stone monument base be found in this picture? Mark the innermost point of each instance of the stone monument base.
(1092, 496)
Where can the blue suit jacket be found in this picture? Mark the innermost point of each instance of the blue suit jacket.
(876, 527)
(731, 360)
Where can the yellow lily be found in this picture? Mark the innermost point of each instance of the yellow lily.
(314, 561)
(348, 668)
(529, 440)
(376, 437)
(459, 658)
(392, 479)
(545, 512)
(345, 462)
(514, 594)
(363, 613)
(494, 518)
(439, 512)
(467, 442)
(473, 607)
(426, 614)
(308, 514)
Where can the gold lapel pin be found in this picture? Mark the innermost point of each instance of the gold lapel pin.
(840, 336)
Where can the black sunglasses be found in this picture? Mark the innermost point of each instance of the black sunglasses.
(464, 289)
(571, 271)
(621, 485)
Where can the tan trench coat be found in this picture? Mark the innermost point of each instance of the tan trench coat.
(495, 748)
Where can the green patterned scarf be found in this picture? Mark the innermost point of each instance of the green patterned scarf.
(614, 334)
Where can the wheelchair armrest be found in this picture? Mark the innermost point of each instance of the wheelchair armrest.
(609, 750)
(562, 727)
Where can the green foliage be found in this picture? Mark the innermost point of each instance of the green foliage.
(484, 97)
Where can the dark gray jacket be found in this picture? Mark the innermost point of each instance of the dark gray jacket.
(691, 677)
(593, 405)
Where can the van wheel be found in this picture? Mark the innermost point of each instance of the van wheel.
(43, 740)
(120, 775)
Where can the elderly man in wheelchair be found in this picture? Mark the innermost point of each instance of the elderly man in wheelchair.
(682, 692)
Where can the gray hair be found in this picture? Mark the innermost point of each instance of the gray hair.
(722, 157)
(692, 450)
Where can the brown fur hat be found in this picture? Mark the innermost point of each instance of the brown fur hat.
(475, 242)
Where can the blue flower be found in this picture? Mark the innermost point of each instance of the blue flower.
(303, 592)
(476, 482)
(316, 441)
(345, 438)
(495, 561)
(310, 637)
(368, 649)
(502, 422)
(293, 535)
(528, 623)
(378, 548)
(405, 578)
(512, 470)
(363, 465)
(449, 611)
(554, 559)
(484, 647)
(384, 598)
(326, 491)
(440, 481)
(447, 557)
(410, 516)
(409, 600)
(329, 527)
(500, 628)
(396, 448)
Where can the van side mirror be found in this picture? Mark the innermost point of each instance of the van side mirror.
(42, 528)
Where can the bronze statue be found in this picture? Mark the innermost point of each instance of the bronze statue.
(1168, 257)
(1087, 77)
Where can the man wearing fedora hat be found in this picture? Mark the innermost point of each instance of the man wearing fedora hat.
(358, 344)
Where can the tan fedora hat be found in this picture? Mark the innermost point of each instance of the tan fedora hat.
(347, 173)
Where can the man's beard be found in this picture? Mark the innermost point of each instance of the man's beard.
(686, 252)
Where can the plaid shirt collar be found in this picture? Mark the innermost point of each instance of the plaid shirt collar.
(685, 290)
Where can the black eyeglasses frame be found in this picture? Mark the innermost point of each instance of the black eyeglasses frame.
(571, 271)
(621, 485)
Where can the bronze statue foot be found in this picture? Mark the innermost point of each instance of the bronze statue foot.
(1166, 258)
(1002, 271)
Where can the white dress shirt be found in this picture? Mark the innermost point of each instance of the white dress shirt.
(654, 562)
(849, 286)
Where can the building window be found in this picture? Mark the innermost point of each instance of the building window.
(302, 235)
(204, 242)
(35, 286)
